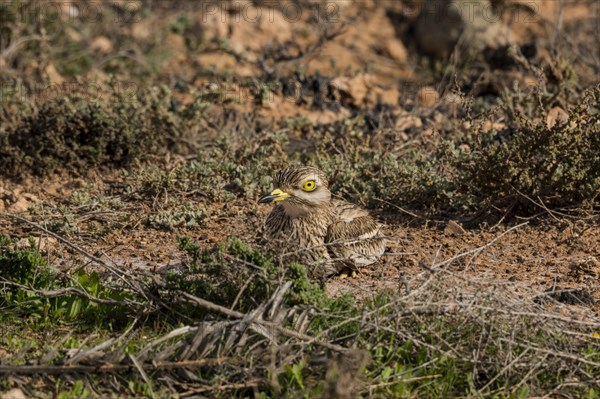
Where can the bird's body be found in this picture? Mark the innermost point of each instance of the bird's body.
(311, 227)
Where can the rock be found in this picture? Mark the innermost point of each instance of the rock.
(427, 97)
(454, 228)
(101, 44)
(442, 24)
(20, 202)
(142, 30)
(55, 77)
(31, 198)
(361, 90)
(351, 91)
(47, 244)
(20, 205)
(213, 24)
(428, 133)
(489, 125)
(396, 50)
(22, 244)
(386, 96)
(406, 121)
(255, 27)
(15, 393)
(557, 115)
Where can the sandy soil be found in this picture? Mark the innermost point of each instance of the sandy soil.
(544, 254)
(527, 257)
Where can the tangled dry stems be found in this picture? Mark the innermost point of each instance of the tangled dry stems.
(445, 324)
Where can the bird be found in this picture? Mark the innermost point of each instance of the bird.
(326, 234)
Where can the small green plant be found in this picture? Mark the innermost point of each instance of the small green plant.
(74, 307)
(74, 132)
(22, 265)
(537, 166)
(181, 216)
(294, 375)
(236, 271)
(28, 279)
(227, 274)
(77, 390)
(181, 25)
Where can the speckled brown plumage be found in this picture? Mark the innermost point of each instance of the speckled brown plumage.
(324, 233)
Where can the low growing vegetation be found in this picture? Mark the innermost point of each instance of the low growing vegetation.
(519, 169)
(130, 262)
(275, 335)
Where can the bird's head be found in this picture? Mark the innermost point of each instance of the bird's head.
(300, 189)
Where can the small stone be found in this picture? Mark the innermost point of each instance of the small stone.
(101, 44)
(454, 228)
(352, 90)
(408, 121)
(142, 30)
(55, 77)
(15, 393)
(557, 115)
(385, 96)
(20, 205)
(396, 50)
(427, 97)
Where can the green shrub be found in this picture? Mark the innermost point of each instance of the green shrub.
(220, 273)
(235, 270)
(556, 167)
(22, 265)
(522, 168)
(27, 281)
(75, 132)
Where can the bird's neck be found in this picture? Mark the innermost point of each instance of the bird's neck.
(293, 210)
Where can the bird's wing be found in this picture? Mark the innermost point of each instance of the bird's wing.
(352, 224)
(354, 238)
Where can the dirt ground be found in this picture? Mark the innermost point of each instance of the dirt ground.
(551, 252)
(547, 257)
(128, 125)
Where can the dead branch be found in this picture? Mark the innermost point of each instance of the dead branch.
(262, 323)
(107, 368)
(119, 273)
(71, 291)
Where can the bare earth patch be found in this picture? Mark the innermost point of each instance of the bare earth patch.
(134, 147)
(539, 258)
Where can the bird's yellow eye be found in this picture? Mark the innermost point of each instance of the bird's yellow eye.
(309, 185)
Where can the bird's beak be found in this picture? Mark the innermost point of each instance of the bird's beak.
(275, 195)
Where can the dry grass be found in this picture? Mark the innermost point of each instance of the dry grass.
(446, 333)
(163, 152)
